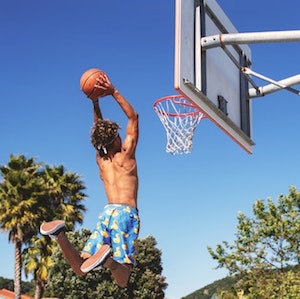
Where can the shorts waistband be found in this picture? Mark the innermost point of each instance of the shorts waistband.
(120, 205)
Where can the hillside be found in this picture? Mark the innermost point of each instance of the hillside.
(224, 284)
(208, 291)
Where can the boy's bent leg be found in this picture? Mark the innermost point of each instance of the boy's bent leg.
(70, 253)
(55, 229)
(120, 272)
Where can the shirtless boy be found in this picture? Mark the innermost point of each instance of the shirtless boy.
(113, 242)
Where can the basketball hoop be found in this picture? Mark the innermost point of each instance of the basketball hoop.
(179, 117)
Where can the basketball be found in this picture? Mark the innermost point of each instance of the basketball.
(88, 81)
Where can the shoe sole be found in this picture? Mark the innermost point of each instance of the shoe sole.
(54, 226)
(95, 260)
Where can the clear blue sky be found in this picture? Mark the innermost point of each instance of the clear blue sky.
(186, 202)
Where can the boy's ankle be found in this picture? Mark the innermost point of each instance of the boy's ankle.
(110, 264)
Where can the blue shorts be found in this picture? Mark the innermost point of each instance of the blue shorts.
(118, 226)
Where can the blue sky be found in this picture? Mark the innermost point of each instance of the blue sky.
(186, 202)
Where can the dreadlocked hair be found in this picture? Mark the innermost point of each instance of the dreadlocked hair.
(104, 133)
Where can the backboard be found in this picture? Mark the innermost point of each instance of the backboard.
(212, 78)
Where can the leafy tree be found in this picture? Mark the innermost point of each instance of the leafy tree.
(62, 200)
(8, 284)
(31, 193)
(64, 195)
(37, 261)
(20, 189)
(145, 281)
(266, 252)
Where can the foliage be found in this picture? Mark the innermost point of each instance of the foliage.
(64, 196)
(62, 200)
(8, 284)
(20, 190)
(207, 292)
(145, 281)
(266, 252)
(31, 193)
(20, 211)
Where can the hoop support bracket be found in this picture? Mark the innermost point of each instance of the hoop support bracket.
(218, 40)
(274, 86)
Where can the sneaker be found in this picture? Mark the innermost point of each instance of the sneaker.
(52, 228)
(96, 260)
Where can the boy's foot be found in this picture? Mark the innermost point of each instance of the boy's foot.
(96, 260)
(52, 228)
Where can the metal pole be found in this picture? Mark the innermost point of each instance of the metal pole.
(274, 86)
(213, 41)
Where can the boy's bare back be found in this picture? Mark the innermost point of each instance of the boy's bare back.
(120, 179)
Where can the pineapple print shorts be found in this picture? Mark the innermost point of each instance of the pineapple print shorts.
(118, 226)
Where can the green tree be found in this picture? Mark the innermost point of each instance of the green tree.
(64, 197)
(8, 284)
(145, 281)
(37, 261)
(31, 193)
(20, 189)
(62, 200)
(266, 252)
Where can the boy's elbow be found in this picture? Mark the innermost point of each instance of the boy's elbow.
(135, 115)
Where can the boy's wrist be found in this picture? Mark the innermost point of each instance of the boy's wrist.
(115, 91)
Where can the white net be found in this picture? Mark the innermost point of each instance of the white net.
(180, 118)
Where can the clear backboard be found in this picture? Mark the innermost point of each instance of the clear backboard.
(212, 77)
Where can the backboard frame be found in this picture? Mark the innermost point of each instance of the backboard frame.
(211, 78)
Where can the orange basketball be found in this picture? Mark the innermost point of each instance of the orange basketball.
(88, 81)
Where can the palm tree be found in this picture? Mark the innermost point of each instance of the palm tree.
(20, 189)
(37, 261)
(62, 201)
(64, 196)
